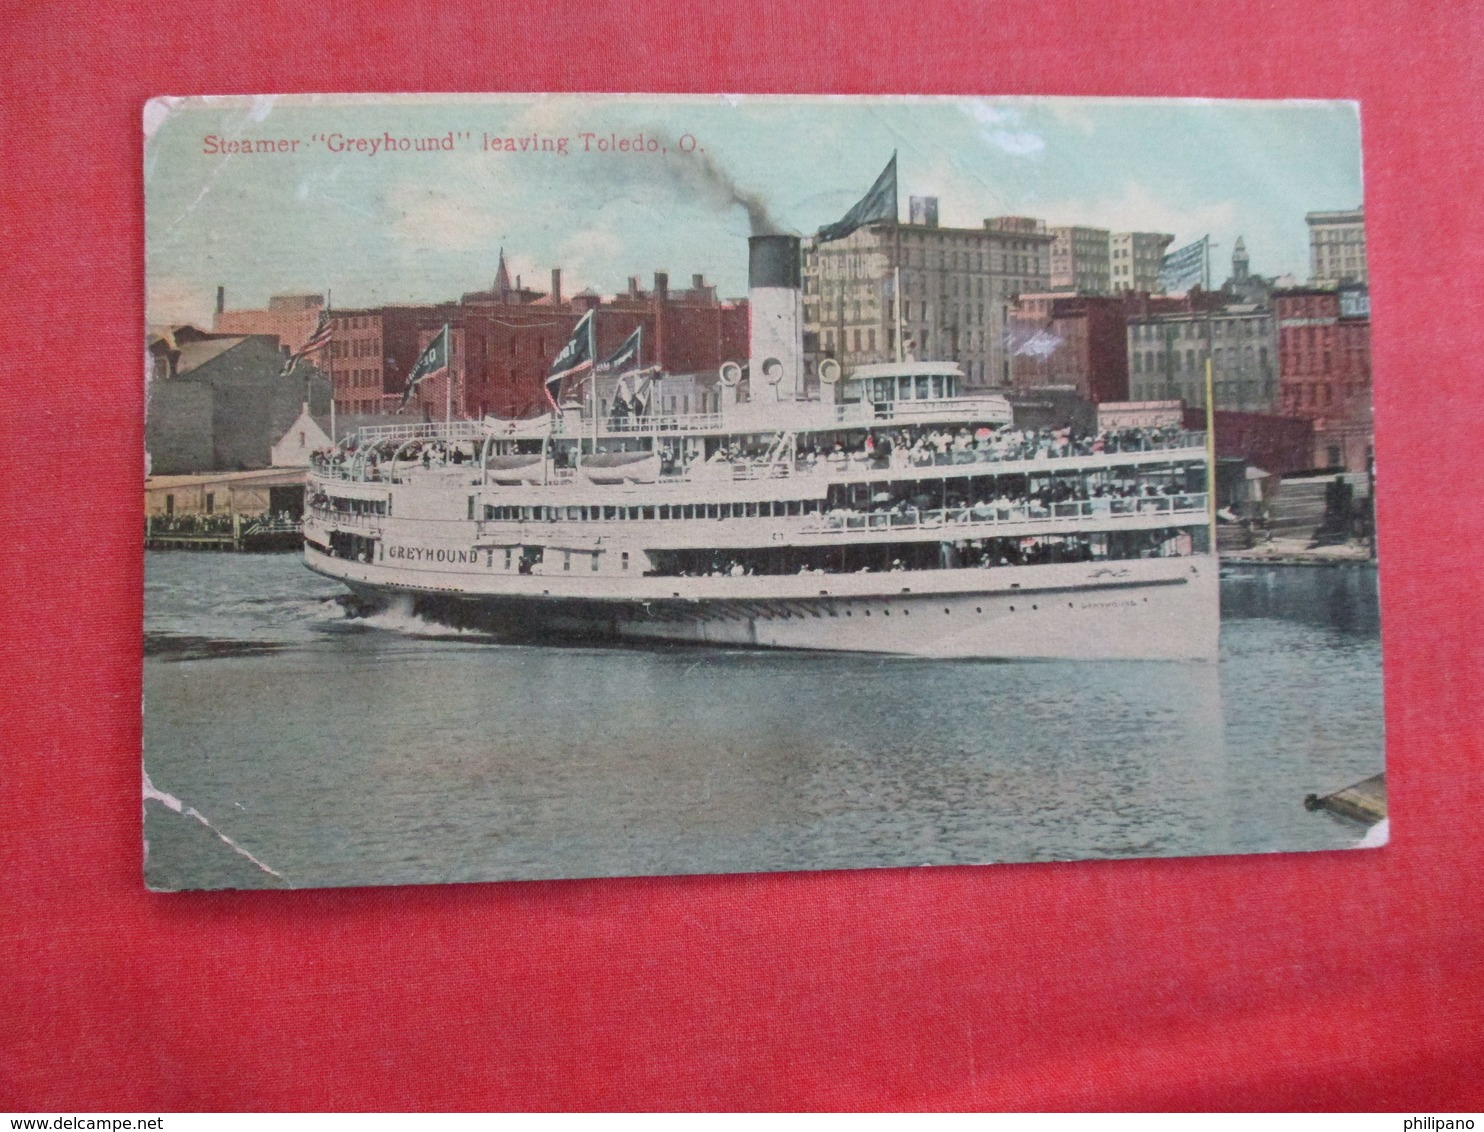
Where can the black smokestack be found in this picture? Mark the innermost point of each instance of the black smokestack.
(773, 261)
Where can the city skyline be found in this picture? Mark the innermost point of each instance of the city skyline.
(386, 227)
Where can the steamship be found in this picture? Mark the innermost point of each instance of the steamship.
(892, 511)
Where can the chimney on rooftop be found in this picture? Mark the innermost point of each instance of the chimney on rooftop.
(661, 285)
(633, 286)
(556, 286)
(698, 282)
(221, 299)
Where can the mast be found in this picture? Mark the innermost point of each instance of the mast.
(592, 377)
(1210, 455)
(896, 287)
(330, 318)
(448, 383)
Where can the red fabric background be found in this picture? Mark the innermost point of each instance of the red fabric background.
(1329, 980)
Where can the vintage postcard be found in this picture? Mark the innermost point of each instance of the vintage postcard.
(574, 486)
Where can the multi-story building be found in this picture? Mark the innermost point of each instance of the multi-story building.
(1167, 355)
(219, 402)
(1134, 260)
(1070, 341)
(957, 286)
(1336, 247)
(289, 318)
(1324, 351)
(1080, 260)
(508, 346)
(502, 340)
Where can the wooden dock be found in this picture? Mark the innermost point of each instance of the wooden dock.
(1365, 801)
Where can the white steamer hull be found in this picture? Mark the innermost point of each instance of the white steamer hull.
(1143, 609)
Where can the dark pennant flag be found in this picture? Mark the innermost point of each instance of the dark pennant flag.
(626, 357)
(880, 203)
(576, 356)
(429, 362)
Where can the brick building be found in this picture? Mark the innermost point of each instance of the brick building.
(289, 318)
(1324, 354)
(957, 287)
(1072, 341)
(1280, 445)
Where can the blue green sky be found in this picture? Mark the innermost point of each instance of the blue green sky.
(419, 227)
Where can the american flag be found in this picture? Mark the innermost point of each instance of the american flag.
(323, 332)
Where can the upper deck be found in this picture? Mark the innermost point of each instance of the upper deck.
(464, 454)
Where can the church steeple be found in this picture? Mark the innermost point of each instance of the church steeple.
(1240, 262)
(502, 277)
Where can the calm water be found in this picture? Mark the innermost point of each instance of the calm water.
(387, 751)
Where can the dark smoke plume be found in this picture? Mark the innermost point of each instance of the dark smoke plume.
(698, 173)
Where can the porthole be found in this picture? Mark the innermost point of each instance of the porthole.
(945, 611)
(1012, 609)
(979, 609)
(1035, 607)
(868, 613)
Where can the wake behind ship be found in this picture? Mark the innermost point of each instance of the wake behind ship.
(889, 511)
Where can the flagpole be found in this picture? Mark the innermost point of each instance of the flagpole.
(1210, 455)
(896, 283)
(897, 297)
(448, 382)
(592, 363)
(329, 315)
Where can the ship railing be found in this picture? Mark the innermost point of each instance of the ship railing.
(1017, 514)
(664, 422)
(358, 520)
(987, 409)
(761, 470)
(854, 463)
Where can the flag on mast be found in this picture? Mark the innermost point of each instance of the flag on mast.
(1184, 268)
(431, 361)
(323, 332)
(626, 357)
(879, 203)
(576, 357)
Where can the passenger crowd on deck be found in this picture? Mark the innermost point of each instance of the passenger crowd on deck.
(923, 445)
(1006, 504)
(400, 453)
(906, 447)
(974, 553)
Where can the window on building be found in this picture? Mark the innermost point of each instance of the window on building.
(210, 503)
